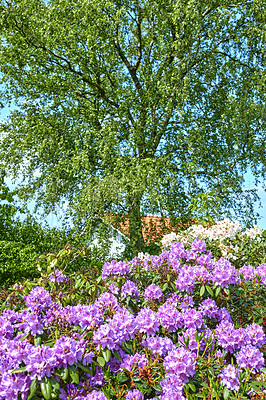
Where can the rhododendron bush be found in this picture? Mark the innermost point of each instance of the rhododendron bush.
(181, 325)
(226, 239)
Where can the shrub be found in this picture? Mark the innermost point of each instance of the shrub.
(180, 325)
(17, 262)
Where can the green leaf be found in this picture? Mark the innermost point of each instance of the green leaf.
(165, 286)
(73, 374)
(209, 290)
(37, 340)
(202, 290)
(101, 361)
(227, 291)
(226, 393)
(18, 370)
(117, 356)
(217, 291)
(33, 387)
(107, 354)
(46, 388)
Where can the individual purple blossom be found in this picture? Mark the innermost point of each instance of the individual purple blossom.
(13, 385)
(130, 289)
(113, 288)
(201, 274)
(205, 260)
(198, 245)
(229, 338)
(191, 256)
(180, 362)
(41, 361)
(38, 299)
(174, 263)
(147, 321)
(107, 301)
(256, 335)
(230, 377)
(30, 324)
(134, 394)
(223, 315)
(153, 292)
(261, 271)
(120, 329)
(250, 357)
(247, 271)
(68, 351)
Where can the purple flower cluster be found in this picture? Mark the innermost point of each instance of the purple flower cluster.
(180, 362)
(169, 317)
(250, 357)
(159, 345)
(134, 394)
(115, 268)
(38, 299)
(121, 328)
(147, 321)
(58, 276)
(225, 274)
(130, 289)
(230, 377)
(153, 292)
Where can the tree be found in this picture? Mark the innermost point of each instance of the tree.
(134, 107)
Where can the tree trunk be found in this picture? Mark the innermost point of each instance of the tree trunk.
(135, 227)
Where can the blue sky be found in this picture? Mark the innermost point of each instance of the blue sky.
(54, 221)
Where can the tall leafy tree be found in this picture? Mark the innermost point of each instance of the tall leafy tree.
(129, 107)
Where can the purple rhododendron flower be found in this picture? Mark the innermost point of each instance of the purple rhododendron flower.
(38, 299)
(159, 345)
(169, 317)
(198, 245)
(59, 276)
(130, 361)
(250, 357)
(153, 292)
(147, 321)
(230, 377)
(130, 289)
(208, 308)
(134, 394)
(225, 274)
(172, 388)
(256, 335)
(178, 250)
(95, 395)
(180, 362)
(192, 318)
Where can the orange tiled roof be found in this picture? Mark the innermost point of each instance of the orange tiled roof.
(153, 228)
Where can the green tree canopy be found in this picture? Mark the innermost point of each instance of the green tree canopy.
(131, 107)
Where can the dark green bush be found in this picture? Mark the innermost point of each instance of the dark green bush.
(17, 262)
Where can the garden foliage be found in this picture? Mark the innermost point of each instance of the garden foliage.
(180, 325)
